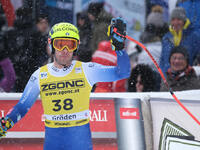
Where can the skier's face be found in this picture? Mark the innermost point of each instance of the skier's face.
(177, 24)
(178, 62)
(63, 58)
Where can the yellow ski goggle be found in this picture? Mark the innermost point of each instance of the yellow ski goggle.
(68, 43)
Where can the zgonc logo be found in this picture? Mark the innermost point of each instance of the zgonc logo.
(129, 113)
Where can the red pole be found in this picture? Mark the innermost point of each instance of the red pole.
(161, 74)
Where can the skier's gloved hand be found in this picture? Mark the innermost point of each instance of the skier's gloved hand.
(117, 41)
(5, 124)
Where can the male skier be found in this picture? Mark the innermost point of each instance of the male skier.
(64, 87)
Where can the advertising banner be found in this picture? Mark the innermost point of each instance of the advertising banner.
(174, 143)
(28, 133)
(102, 116)
(169, 119)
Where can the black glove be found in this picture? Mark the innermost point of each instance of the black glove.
(117, 41)
(5, 124)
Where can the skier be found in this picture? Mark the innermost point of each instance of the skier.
(64, 87)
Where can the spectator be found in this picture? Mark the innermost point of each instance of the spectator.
(155, 29)
(84, 25)
(38, 42)
(42, 24)
(27, 44)
(133, 51)
(8, 80)
(142, 79)
(106, 56)
(180, 33)
(7, 72)
(100, 20)
(17, 42)
(180, 75)
(192, 11)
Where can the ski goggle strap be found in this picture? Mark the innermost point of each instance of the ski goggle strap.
(68, 43)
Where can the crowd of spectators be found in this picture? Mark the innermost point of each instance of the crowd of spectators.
(25, 44)
(173, 44)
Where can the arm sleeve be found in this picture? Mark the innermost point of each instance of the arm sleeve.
(100, 73)
(28, 98)
(9, 75)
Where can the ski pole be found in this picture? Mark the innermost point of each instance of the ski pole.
(161, 74)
